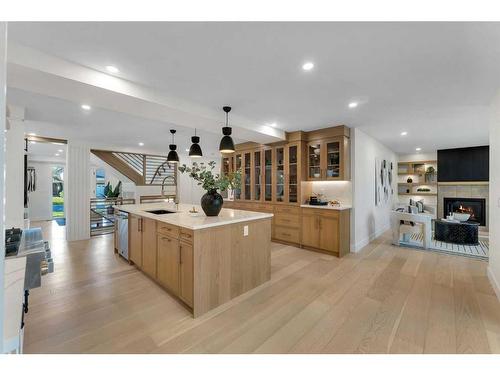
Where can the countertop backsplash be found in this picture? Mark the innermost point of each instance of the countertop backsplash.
(330, 190)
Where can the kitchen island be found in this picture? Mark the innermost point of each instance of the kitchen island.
(203, 261)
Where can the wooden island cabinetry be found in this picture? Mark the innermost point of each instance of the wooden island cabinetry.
(202, 261)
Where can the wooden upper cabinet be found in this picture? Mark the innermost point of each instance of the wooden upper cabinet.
(135, 240)
(149, 246)
(279, 173)
(168, 262)
(328, 159)
(247, 175)
(238, 160)
(257, 175)
(268, 174)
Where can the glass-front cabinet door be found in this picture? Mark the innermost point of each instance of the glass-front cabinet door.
(237, 192)
(292, 178)
(280, 173)
(257, 175)
(247, 175)
(333, 152)
(268, 175)
(314, 160)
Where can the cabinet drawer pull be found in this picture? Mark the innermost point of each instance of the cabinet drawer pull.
(286, 234)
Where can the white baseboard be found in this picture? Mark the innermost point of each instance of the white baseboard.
(360, 244)
(494, 282)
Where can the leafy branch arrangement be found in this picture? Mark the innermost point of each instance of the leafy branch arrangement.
(203, 173)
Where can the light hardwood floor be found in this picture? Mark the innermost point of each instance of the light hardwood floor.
(384, 299)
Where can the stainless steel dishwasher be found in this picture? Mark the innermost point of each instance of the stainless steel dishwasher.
(122, 237)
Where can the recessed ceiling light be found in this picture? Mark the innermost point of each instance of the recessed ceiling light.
(273, 124)
(353, 104)
(60, 150)
(141, 143)
(418, 149)
(85, 107)
(187, 149)
(32, 134)
(404, 133)
(308, 66)
(112, 69)
(57, 154)
(32, 142)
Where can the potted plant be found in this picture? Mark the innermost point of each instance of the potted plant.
(211, 201)
(111, 193)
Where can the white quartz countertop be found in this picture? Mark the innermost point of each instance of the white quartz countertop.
(328, 207)
(183, 218)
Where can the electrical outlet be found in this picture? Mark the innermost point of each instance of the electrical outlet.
(245, 230)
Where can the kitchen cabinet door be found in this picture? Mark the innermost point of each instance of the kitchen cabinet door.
(186, 272)
(315, 160)
(292, 174)
(268, 175)
(135, 240)
(333, 159)
(310, 229)
(279, 158)
(168, 263)
(149, 247)
(329, 233)
(237, 165)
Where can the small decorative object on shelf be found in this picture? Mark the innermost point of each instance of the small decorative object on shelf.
(407, 191)
(424, 190)
(211, 201)
(409, 180)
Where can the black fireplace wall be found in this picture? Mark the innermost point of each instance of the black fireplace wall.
(464, 164)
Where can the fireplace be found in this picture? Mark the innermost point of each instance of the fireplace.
(476, 207)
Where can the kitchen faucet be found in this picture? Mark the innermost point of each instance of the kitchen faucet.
(163, 183)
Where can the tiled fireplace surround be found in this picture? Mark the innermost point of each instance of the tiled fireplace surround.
(463, 190)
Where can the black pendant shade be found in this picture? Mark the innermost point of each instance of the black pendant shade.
(195, 149)
(226, 143)
(172, 156)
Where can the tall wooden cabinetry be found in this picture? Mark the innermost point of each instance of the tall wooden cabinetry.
(271, 182)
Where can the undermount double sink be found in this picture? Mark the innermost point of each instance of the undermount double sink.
(160, 212)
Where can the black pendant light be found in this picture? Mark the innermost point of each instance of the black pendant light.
(195, 149)
(172, 156)
(226, 143)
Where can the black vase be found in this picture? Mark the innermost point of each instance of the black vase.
(211, 203)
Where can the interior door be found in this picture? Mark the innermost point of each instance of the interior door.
(186, 272)
(310, 229)
(168, 263)
(135, 240)
(329, 229)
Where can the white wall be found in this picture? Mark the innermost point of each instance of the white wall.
(14, 167)
(494, 215)
(368, 221)
(418, 157)
(77, 191)
(40, 200)
(3, 103)
(189, 191)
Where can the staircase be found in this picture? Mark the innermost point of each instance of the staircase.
(142, 169)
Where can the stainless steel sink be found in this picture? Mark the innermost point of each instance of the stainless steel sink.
(160, 212)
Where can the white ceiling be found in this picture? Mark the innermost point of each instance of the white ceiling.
(433, 80)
